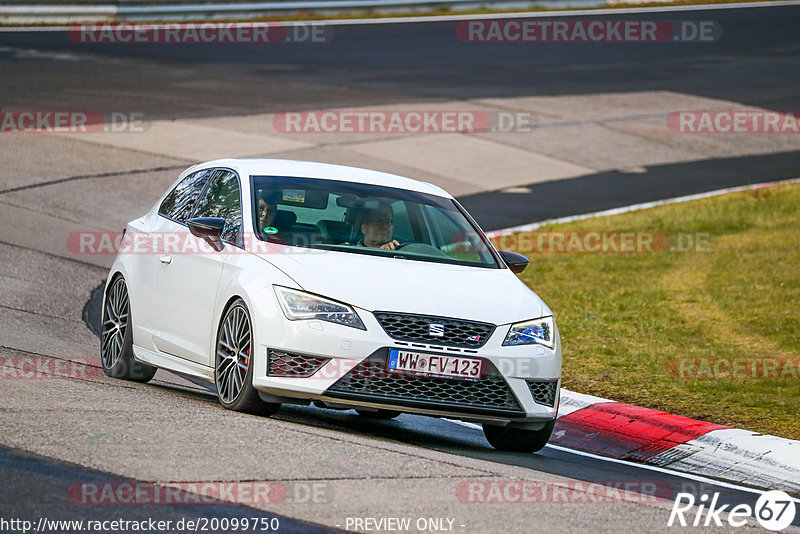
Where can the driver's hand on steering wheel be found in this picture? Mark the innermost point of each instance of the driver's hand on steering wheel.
(391, 245)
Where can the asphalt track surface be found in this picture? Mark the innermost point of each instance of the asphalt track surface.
(31, 480)
(754, 62)
(757, 62)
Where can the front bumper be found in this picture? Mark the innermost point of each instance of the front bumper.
(341, 352)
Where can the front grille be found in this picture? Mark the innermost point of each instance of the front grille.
(281, 363)
(544, 391)
(370, 380)
(456, 332)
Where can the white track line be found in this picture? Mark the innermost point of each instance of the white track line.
(637, 207)
(664, 470)
(679, 474)
(486, 16)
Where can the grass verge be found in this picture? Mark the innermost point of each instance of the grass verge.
(708, 331)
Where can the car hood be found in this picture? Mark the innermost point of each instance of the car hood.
(391, 284)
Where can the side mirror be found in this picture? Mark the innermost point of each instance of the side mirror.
(516, 262)
(209, 229)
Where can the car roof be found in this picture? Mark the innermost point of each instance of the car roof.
(324, 171)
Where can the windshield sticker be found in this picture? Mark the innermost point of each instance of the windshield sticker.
(270, 230)
(294, 195)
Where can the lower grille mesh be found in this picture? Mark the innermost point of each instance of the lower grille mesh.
(371, 380)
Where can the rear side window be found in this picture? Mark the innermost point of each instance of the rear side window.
(222, 199)
(179, 202)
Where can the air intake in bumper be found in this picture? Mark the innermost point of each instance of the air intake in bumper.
(292, 365)
(544, 391)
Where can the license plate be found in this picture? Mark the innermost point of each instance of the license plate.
(402, 361)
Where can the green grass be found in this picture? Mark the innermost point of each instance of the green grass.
(626, 320)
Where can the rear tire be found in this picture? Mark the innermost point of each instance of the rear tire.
(380, 414)
(512, 439)
(116, 337)
(233, 369)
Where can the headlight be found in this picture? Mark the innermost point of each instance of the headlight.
(539, 331)
(298, 305)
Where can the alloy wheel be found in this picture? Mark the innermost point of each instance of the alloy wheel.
(233, 354)
(115, 323)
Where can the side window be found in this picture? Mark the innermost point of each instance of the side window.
(402, 223)
(444, 230)
(179, 202)
(222, 199)
(458, 241)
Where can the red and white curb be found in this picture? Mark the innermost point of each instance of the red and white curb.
(627, 432)
(623, 431)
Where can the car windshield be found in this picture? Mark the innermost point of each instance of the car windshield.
(367, 219)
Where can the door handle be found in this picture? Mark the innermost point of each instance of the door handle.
(165, 259)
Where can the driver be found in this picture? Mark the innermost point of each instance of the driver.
(266, 213)
(377, 228)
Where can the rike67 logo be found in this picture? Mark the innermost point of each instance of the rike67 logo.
(774, 510)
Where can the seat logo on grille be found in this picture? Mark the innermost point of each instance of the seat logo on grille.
(436, 330)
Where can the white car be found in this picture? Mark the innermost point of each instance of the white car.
(299, 282)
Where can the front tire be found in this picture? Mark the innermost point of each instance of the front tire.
(512, 439)
(116, 337)
(233, 369)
